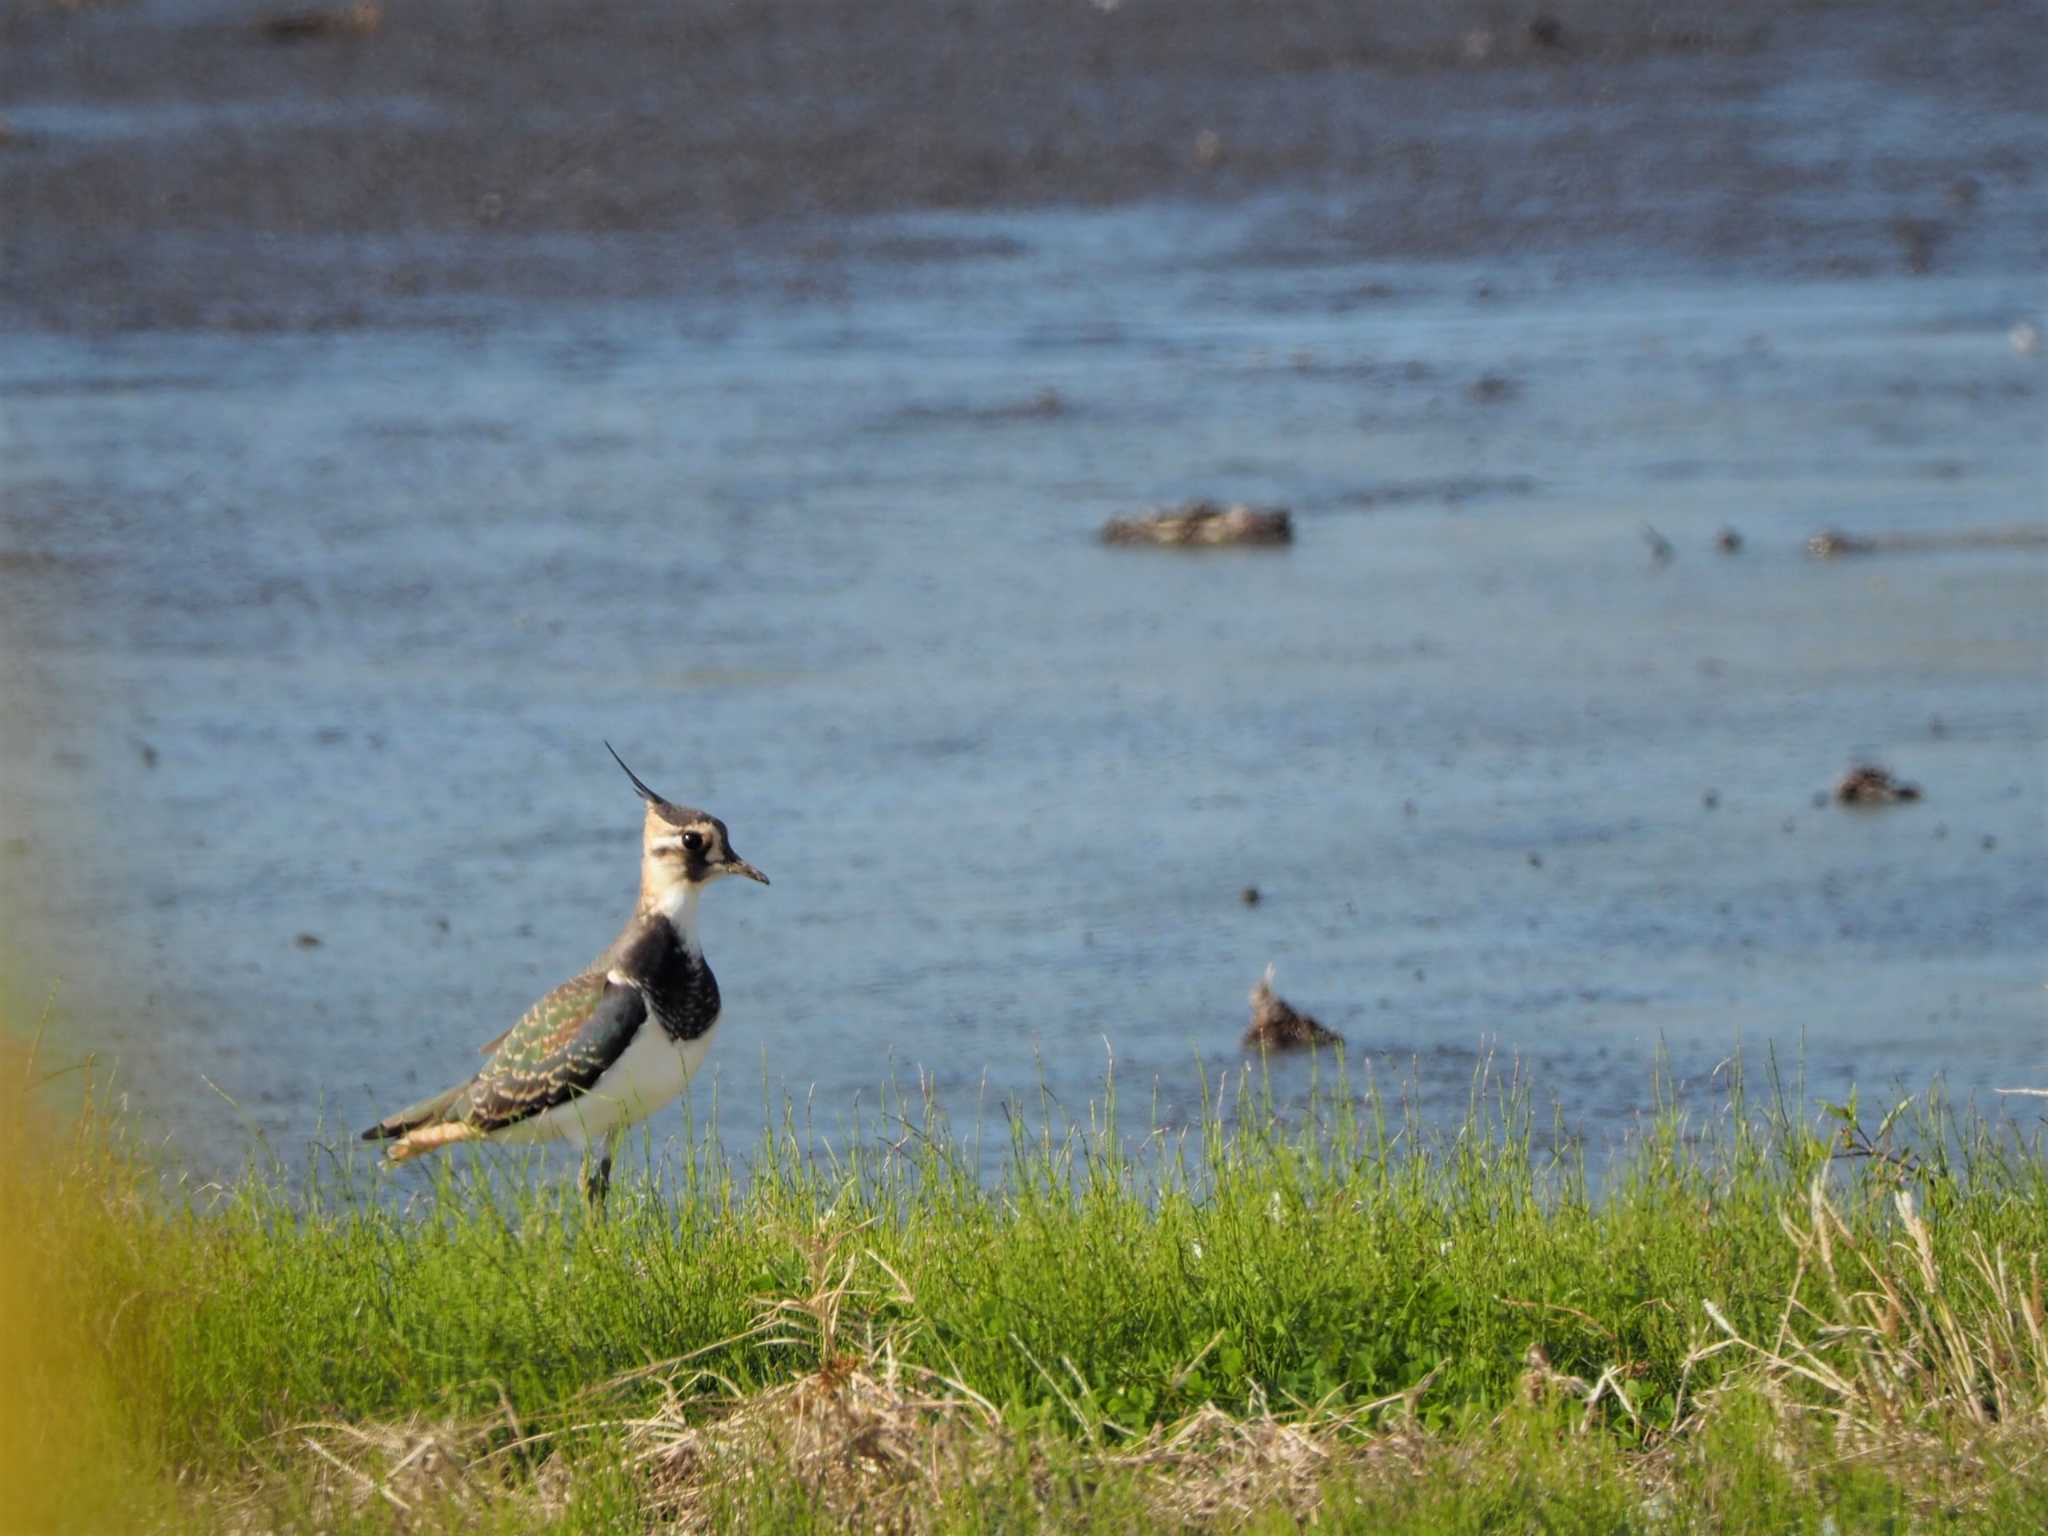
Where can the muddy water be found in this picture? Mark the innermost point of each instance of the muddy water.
(320, 598)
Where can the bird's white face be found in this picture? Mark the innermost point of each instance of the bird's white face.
(691, 847)
(682, 851)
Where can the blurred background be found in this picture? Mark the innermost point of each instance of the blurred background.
(397, 402)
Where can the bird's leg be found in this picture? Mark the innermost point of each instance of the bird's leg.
(597, 1178)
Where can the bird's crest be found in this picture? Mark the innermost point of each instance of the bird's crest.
(645, 793)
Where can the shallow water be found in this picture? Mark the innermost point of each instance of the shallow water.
(374, 444)
(320, 636)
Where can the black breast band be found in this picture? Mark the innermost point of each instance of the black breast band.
(681, 992)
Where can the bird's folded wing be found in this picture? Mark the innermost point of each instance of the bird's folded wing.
(559, 1050)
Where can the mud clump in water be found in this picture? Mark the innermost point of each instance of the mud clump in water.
(1868, 784)
(1203, 524)
(1833, 543)
(359, 20)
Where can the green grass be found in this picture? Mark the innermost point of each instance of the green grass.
(1747, 1329)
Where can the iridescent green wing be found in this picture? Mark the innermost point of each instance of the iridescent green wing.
(557, 1051)
(571, 1000)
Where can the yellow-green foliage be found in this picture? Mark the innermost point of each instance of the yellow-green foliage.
(76, 1448)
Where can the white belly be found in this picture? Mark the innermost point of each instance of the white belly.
(653, 1070)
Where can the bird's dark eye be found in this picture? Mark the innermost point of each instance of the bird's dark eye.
(693, 841)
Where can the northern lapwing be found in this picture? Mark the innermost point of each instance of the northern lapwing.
(613, 1045)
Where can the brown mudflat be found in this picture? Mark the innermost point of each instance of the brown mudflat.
(486, 132)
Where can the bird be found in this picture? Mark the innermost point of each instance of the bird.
(610, 1046)
(1277, 1026)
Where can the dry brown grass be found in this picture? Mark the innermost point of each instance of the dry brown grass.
(1895, 1359)
(1215, 1470)
(412, 1467)
(875, 1438)
(883, 1445)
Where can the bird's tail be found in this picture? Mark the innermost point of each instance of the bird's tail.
(428, 1137)
(425, 1113)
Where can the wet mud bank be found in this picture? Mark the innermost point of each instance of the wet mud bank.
(169, 165)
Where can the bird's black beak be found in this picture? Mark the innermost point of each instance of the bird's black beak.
(735, 865)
